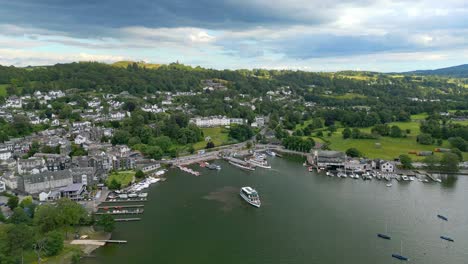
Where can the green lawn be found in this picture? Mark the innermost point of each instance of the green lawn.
(390, 148)
(123, 177)
(3, 91)
(219, 136)
(421, 116)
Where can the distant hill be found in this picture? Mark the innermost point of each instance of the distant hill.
(460, 71)
(124, 64)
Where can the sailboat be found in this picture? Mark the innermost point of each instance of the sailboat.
(400, 257)
(384, 236)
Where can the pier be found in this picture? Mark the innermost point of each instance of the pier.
(430, 176)
(188, 170)
(121, 212)
(126, 201)
(127, 219)
(96, 242)
(121, 206)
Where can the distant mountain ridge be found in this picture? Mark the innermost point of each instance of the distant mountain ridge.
(460, 71)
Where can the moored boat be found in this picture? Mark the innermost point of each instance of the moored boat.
(250, 195)
(213, 167)
(259, 163)
(270, 152)
(242, 166)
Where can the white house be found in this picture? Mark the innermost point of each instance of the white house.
(80, 140)
(117, 116)
(5, 154)
(14, 102)
(387, 167)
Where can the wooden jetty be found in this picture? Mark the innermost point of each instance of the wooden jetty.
(121, 212)
(121, 206)
(238, 161)
(188, 170)
(127, 219)
(96, 242)
(430, 176)
(126, 201)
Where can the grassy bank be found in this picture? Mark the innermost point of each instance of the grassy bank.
(122, 177)
(219, 136)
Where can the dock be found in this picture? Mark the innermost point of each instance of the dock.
(126, 201)
(430, 176)
(188, 170)
(127, 219)
(121, 206)
(121, 212)
(238, 161)
(95, 242)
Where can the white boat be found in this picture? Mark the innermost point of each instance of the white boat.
(438, 180)
(270, 153)
(405, 178)
(132, 195)
(242, 166)
(411, 178)
(259, 163)
(123, 196)
(250, 195)
(143, 195)
(160, 172)
(389, 185)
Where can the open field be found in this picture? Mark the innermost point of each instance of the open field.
(219, 136)
(390, 148)
(123, 177)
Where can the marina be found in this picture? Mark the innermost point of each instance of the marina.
(358, 212)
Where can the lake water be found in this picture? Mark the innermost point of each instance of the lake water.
(304, 218)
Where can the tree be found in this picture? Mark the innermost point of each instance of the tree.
(26, 202)
(449, 162)
(431, 162)
(241, 132)
(20, 238)
(346, 133)
(114, 185)
(209, 145)
(13, 202)
(140, 174)
(248, 145)
(395, 132)
(53, 243)
(458, 153)
(459, 143)
(19, 217)
(353, 152)
(71, 213)
(107, 223)
(406, 161)
(424, 139)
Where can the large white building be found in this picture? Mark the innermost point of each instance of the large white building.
(5, 154)
(215, 121)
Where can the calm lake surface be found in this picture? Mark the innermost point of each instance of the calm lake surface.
(304, 218)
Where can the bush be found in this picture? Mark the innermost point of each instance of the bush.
(424, 139)
(353, 152)
(54, 243)
(140, 174)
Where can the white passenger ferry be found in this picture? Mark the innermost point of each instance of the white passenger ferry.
(250, 195)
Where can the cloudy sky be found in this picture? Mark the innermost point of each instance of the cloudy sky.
(318, 35)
